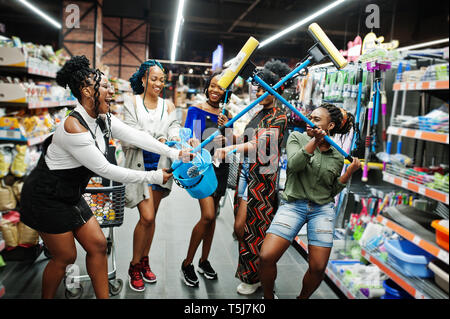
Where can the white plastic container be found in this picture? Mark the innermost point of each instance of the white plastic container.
(440, 276)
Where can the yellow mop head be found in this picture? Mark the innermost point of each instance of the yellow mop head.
(327, 46)
(238, 63)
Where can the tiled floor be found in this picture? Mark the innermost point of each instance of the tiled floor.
(175, 220)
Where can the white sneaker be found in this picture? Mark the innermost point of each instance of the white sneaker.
(247, 289)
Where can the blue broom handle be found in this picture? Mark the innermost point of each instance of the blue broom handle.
(298, 113)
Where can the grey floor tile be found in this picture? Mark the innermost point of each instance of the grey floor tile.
(174, 222)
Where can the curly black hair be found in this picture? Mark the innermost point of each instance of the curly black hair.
(273, 72)
(343, 120)
(76, 74)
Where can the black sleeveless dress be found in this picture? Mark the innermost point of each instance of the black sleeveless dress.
(51, 200)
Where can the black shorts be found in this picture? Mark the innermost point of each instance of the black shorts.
(222, 179)
(55, 217)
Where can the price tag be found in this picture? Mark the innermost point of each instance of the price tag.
(442, 255)
(404, 184)
(432, 85)
(422, 190)
(418, 134)
(419, 85)
(419, 295)
(403, 86)
(416, 240)
(412, 86)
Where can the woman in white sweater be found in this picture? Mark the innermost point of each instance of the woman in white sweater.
(51, 199)
(148, 112)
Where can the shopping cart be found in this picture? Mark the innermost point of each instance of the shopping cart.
(107, 204)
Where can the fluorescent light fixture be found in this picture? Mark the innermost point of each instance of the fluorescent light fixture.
(424, 45)
(301, 22)
(40, 13)
(176, 31)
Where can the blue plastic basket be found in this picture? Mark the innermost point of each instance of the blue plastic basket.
(199, 187)
(408, 258)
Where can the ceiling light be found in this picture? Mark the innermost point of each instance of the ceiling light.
(301, 22)
(40, 13)
(176, 31)
(423, 45)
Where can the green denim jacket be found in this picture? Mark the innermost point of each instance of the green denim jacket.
(313, 177)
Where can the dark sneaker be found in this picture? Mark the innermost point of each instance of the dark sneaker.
(189, 276)
(206, 270)
(135, 277)
(147, 273)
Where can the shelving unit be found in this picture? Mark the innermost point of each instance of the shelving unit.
(426, 245)
(39, 105)
(417, 188)
(4, 136)
(419, 288)
(421, 86)
(13, 60)
(418, 134)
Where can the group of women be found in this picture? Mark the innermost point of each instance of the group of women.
(266, 221)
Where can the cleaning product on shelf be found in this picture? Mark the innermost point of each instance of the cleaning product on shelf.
(394, 291)
(408, 259)
(442, 232)
(20, 161)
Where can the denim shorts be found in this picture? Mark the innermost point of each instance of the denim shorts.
(291, 216)
(243, 181)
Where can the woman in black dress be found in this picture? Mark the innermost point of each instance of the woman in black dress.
(51, 198)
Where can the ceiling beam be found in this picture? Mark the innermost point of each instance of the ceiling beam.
(242, 16)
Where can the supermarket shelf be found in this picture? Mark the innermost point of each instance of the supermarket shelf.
(421, 86)
(30, 141)
(430, 247)
(418, 134)
(330, 273)
(28, 71)
(417, 188)
(416, 287)
(39, 105)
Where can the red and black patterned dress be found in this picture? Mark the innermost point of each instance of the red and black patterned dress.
(262, 193)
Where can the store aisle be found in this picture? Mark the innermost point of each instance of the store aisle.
(178, 214)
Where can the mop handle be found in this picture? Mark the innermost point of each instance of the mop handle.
(298, 113)
(176, 164)
(367, 150)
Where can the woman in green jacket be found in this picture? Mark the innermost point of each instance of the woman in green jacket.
(313, 180)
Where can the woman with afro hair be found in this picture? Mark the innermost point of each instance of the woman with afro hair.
(51, 198)
(313, 180)
(256, 197)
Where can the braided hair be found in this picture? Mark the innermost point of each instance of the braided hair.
(136, 78)
(343, 120)
(76, 75)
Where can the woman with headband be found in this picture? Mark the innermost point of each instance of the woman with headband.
(51, 198)
(148, 112)
(313, 180)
